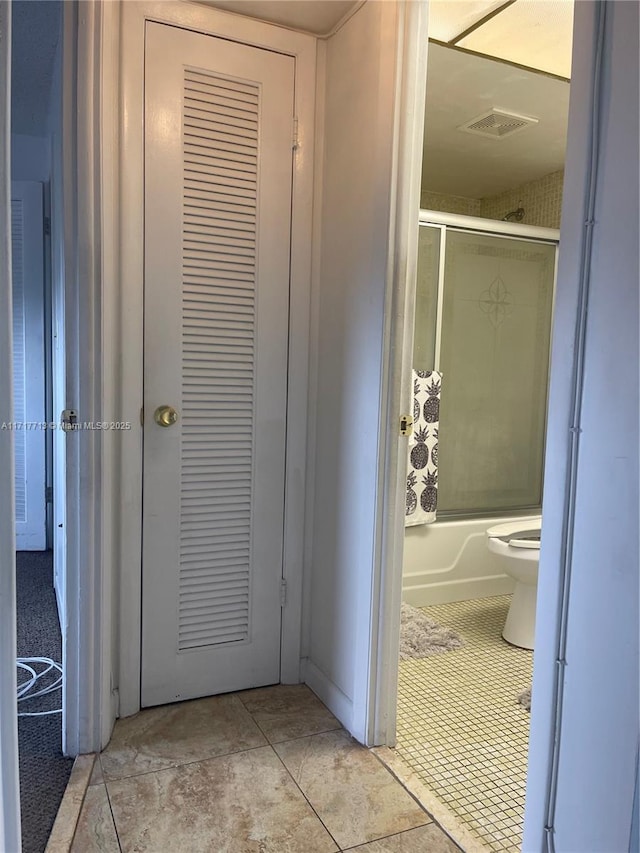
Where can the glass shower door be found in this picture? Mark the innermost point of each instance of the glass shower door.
(494, 346)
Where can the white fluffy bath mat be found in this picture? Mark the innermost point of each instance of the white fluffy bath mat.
(421, 636)
(525, 699)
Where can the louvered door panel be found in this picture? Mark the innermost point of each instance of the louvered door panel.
(27, 258)
(218, 184)
(19, 356)
(220, 132)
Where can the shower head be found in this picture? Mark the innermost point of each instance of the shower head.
(514, 215)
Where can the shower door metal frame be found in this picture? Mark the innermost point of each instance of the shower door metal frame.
(445, 222)
(497, 228)
(489, 226)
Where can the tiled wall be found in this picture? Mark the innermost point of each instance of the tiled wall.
(450, 203)
(541, 199)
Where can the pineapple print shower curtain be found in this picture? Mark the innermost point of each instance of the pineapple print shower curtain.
(422, 478)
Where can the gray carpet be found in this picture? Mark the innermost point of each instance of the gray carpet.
(44, 771)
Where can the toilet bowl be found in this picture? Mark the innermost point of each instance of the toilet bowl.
(517, 544)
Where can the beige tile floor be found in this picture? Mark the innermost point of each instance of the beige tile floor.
(262, 771)
(460, 728)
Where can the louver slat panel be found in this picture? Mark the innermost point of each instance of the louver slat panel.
(19, 356)
(220, 178)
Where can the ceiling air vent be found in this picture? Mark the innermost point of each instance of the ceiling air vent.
(497, 124)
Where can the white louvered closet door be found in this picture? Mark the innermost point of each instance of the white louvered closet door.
(27, 257)
(218, 171)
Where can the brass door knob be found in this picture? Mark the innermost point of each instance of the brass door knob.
(165, 416)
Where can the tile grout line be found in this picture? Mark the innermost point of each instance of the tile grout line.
(84, 799)
(396, 835)
(458, 830)
(288, 772)
(429, 822)
(113, 816)
(340, 728)
(311, 806)
(183, 764)
(268, 744)
(459, 786)
(77, 824)
(55, 844)
(501, 845)
(432, 819)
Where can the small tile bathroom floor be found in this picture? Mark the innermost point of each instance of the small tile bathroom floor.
(460, 728)
(262, 771)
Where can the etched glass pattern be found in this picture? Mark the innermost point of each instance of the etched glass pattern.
(494, 359)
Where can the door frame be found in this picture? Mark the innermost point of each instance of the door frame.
(380, 702)
(567, 378)
(124, 216)
(88, 700)
(9, 785)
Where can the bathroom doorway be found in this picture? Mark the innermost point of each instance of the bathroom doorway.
(494, 146)
(484, 302)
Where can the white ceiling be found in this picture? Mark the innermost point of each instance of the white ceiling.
(461, 86)
(313, 16)
(535, 33)
(449, 18)
(530, 32)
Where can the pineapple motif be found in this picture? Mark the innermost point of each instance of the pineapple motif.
(412, 498)
(431, 408)
(420, 451)
(416, 404)
(434, 450)
(429, 496)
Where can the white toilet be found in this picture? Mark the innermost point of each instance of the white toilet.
(517, 543)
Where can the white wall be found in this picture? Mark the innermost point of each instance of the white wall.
(30, 158)
(349, 296)
(598, 716)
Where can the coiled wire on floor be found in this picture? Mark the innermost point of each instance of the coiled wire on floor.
(35, 685)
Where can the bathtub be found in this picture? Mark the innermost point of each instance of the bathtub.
(449, 561)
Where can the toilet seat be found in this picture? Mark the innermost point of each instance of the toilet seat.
(518, 534)
(525, 542)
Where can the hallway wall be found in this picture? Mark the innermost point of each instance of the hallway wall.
(350, 298)
(30, 158)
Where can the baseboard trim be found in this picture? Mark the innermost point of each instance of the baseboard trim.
(64, 827)
(336, 701)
